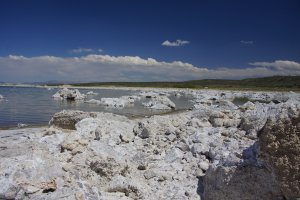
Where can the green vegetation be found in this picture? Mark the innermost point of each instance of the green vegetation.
(280, 83)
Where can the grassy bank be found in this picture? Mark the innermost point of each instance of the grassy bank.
(276, 83)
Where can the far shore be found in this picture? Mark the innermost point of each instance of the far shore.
(113, 87)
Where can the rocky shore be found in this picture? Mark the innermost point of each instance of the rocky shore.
(220, 149)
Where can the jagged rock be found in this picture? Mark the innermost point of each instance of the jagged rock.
(106, 168)
(224, 118)
(173, 154)
(51, 131)
(127, 136)
(197, 123)
(204, 165)
(141, 131)
(144, 134)
(183, 146)
(247, 106)
(98, 133)
(122, 185)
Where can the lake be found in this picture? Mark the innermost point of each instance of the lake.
(35, 106)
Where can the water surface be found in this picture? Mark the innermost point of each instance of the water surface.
(35, 106)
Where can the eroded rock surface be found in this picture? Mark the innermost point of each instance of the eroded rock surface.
(280, 149)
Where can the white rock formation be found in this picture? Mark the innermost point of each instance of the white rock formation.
(160, 103)
(69, 94)
(122, 102)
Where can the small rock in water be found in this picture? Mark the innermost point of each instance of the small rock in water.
(69, 94)
(91, 93)
(20, 125)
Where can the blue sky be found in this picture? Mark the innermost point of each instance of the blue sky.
(223, 39)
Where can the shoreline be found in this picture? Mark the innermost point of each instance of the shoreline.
(131, 117)
(112, 87)
(284, 90)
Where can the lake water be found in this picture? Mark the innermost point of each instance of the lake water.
(35, 106)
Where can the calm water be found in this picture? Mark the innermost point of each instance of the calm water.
(35, 106)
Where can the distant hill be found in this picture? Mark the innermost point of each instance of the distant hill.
(266, 83)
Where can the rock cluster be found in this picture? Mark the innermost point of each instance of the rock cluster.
(218, 150)
(158, 101)
(122, 102)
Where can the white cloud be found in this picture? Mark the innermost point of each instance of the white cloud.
(176, 43)
(103, 68)
(246, 42)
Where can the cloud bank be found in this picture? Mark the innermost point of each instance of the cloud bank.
(177, 43)
(102, 68)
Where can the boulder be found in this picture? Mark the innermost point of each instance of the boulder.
(67, 119)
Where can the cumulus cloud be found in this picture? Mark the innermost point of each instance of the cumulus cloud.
(176, 43)
(246, 42)
(84, 50)
(279, 65)
(103, 68)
